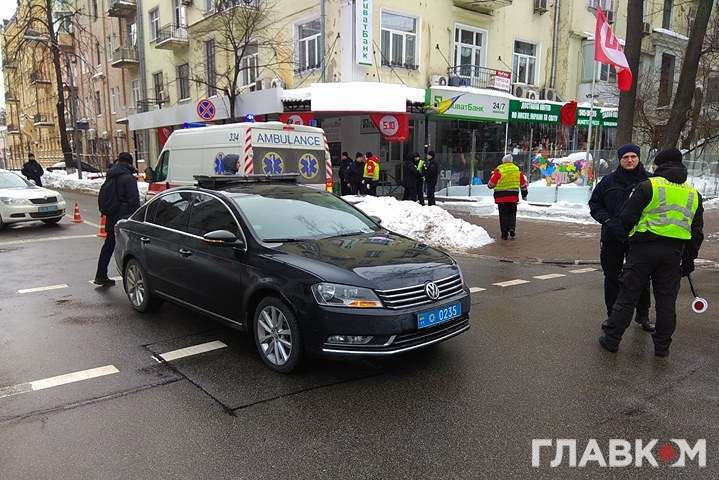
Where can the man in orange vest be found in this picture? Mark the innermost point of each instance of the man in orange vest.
(507, 181)
(371, 174)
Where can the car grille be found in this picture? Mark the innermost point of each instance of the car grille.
(412, 296)
(429, 334)
(41, 201)
(54, 213)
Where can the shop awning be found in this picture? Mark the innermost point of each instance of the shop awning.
(356, 97)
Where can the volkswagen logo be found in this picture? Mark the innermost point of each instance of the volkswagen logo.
(432, 290)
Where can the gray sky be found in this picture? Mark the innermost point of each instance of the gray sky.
(7, 9)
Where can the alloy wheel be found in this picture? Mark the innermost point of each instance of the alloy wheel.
(274, 335)
(135, 285)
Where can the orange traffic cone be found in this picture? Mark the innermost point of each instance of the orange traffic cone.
(103, 221)
(77, 218)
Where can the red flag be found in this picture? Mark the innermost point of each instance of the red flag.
(568, 113)
(609, 51)
(394, 127)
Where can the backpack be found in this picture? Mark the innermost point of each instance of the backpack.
(108, 200)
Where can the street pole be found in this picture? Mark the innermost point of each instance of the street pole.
(591, 120)
(506, 136)
(323, 32)
(73, 117)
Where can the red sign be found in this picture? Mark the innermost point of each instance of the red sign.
(206, 109)
(394, 127)
(303, 118)
(163, 133)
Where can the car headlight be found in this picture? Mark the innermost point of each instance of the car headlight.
(334, 295)
(13, 201)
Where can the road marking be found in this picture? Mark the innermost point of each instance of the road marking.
(549, 276)
(91, 224)
(476, 289)
(511, 283)
(194, 350)
(42, 289)
(45, 239)
(583, 270)
(58, 380)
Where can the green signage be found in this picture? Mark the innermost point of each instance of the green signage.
(583, 115)
(466, 105)
(610, 118)
(533, 112)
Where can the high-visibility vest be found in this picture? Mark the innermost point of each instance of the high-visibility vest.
(371, 169)
(671, 210)
(509, 177)
(420, 165)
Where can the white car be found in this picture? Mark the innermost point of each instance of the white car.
(23, 201)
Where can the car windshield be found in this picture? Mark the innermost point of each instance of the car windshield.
(300, 215)
(11, 180)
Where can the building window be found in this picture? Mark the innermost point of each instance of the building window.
(132, 35)
(135, 86)
(110, 46)
(210, 73)
(180, 15)
(667, 15)
(98, 103)
(399, 40)
(154, 23)
(605, 73)
(183, 81)
(606, 5)
(308, 35)
(666, 80)
(157, 82)
(97, 52)
(249, 65)
(469, 50)
(524, 69)
(115, 99)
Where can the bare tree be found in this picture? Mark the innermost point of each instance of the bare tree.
(242, 36)
(633, 50)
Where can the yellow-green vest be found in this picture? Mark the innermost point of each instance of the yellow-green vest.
(371, 169)
(671, 210)
(509, 179)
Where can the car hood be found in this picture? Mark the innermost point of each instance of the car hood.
(380, 260)
(28, 193)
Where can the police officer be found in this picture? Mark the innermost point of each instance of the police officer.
(419, 163)
(508, 182)
(665, 217)
(605, 206)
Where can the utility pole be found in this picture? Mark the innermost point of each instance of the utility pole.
(73, 117)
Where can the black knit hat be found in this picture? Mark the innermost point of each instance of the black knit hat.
(629, 147)
(668, 155)
(124, 157)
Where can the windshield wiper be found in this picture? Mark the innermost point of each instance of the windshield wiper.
(350, 234)
(283, 240)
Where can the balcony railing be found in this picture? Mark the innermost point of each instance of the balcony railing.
(13, 129)
(125, 57)
(171, 36)
(122, 8)
(484, 6)
(408, 66)
(479, 77)
(41, 120)
(39, 78)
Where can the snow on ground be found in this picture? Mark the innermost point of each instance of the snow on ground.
(710, 204)
(555, 212)
(433, 225)
(90, 183)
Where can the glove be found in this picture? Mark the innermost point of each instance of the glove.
(687, 267)
(616, 229)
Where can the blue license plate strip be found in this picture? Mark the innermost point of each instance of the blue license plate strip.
(46, 209)
(430, 318)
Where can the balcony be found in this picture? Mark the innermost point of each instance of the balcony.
(171, 36)
(8, 65)
(13, 129)
(39, 78)
(10, 97)
(40, 120)
(482, 6)
(65, 41)
(122, 8)
(124, 57)
(479, 77)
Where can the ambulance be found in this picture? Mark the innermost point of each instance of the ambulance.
(263, 148)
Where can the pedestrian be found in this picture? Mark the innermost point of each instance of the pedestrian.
(409, 179)
(230, 164)
(431, 174)
(507, 182)
(665, 218)
(118, 199)
(355, 174)
(33, 170)
(370, 178)
(344, 174)
(605, 206)
(419, 164)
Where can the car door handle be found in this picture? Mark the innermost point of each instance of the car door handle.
(144, 240)
(184, 252)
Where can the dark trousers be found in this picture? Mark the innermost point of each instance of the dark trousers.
(345, 188)
(660, 262)
(612, 256)
(355, 187)
(430, 193)
(107, 249)
(410, 192)
(507, 217)
(420, 191)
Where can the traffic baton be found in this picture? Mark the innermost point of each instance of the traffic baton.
(699, 304)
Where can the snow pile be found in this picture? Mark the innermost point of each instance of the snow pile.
(90, 183)
(710, 204)
(434, 225)
(554, 212)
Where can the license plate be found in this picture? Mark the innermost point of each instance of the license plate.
(46, 209)
(429, 318)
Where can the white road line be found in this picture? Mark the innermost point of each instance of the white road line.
(45, 239)
(476, 289)
(92, 224)
(511, 283)
(194, 350)
(583, 270)
(58, 380)
(549, 276)
(42, 289)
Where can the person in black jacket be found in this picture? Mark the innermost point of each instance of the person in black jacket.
(33, 170)
(605, 206)
(356, 172)
(409, 180)
(344, 174)
(122, 199)
(431, 174)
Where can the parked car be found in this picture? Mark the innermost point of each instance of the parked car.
(86, 167)
(23, 201)
(303, 271)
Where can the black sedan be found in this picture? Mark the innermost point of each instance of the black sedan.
(301, 270)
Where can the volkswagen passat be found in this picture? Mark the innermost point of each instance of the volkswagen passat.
(23, 201)
(302, 270)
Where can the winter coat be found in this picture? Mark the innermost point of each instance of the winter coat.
(410, 173)
(33, 171)
(431, 173)
(609, 197)
(507, 196)
(126, 195)
(356, 170)
(344, 173)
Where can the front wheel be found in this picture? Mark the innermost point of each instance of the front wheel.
(277, 335)
(136, 288)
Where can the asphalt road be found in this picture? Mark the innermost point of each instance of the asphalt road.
(529, 368)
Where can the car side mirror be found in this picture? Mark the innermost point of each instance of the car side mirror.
(376, 219)
(223, 237)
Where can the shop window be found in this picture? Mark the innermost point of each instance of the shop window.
(524, 68)
(399, 40)
(666, 80)
(469, 50)
(308, 39)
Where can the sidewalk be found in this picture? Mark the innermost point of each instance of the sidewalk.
(563, 242)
